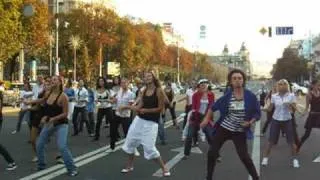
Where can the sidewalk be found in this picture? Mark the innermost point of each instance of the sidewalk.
(10, 109)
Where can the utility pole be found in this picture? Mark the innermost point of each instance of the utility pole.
(57, 38)
(178, 61)
(50, 55)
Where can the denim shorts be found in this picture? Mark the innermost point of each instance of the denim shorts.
(285, 127)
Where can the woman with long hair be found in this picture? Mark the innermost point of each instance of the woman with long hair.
(144, 128)
(284, 103)
(313, 120)
(103, 100)
(55, 119)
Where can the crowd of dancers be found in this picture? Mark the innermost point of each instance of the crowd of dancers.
(140, 110)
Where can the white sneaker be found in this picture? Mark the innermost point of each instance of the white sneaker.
(295, 163)
(264, 161)
(34, 159)
(183, 138)
(136, 152)
(14, 132)
(126, 170)
(203, 138)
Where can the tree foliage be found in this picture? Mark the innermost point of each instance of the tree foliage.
(290, 66)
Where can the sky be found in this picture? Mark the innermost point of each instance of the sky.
(231, 22)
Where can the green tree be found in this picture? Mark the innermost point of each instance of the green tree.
(11, 28)
(290, 66)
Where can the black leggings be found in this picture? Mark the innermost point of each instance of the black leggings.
(172, 112)
(305, 137)
(103, 113)
(114, 126)
(240, 141)
(4, 152)
(186, 111)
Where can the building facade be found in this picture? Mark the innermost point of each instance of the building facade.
(237, 60)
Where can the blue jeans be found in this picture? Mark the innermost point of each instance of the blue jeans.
(62, 135)
(161, 132)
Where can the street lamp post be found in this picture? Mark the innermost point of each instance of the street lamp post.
(50, 54)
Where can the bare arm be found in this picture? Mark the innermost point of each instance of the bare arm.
(308, 99)
(40, 100)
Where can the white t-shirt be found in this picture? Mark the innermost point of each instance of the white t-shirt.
(282, 110)
(37, 89)
(124, 99)
(25, 95)
(102, 97)
(189, 94)
(81, 95)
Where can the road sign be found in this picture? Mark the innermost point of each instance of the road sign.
(263, 30)
(288, 30)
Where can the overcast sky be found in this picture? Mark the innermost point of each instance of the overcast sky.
(231, 22)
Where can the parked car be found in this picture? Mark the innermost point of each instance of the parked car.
(11, 95)
(299, 90)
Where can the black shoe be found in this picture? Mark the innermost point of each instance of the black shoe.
(74, 134)
(95, 139)
(163, 143)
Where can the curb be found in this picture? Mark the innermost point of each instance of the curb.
(10, 110)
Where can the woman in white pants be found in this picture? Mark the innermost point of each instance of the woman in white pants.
(144, 128)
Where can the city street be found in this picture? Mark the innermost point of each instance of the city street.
(97, 162)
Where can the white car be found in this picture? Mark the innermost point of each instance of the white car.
(300, 90)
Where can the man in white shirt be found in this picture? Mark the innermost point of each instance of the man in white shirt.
(38, 88)
(81, 96)
(124, 98)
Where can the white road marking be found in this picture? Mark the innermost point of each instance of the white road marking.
(256, 147)
(317, 159)
(84, 159)
(176, 159)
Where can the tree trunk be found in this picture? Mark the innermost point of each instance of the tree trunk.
(74, 64)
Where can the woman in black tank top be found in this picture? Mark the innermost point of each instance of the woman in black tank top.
(171, 105)
(313, 120)
(37, 112)
(144, 127)
(55, 119)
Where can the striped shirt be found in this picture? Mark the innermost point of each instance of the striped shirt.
(236, 115)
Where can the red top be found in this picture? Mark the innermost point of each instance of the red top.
(196, 104)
